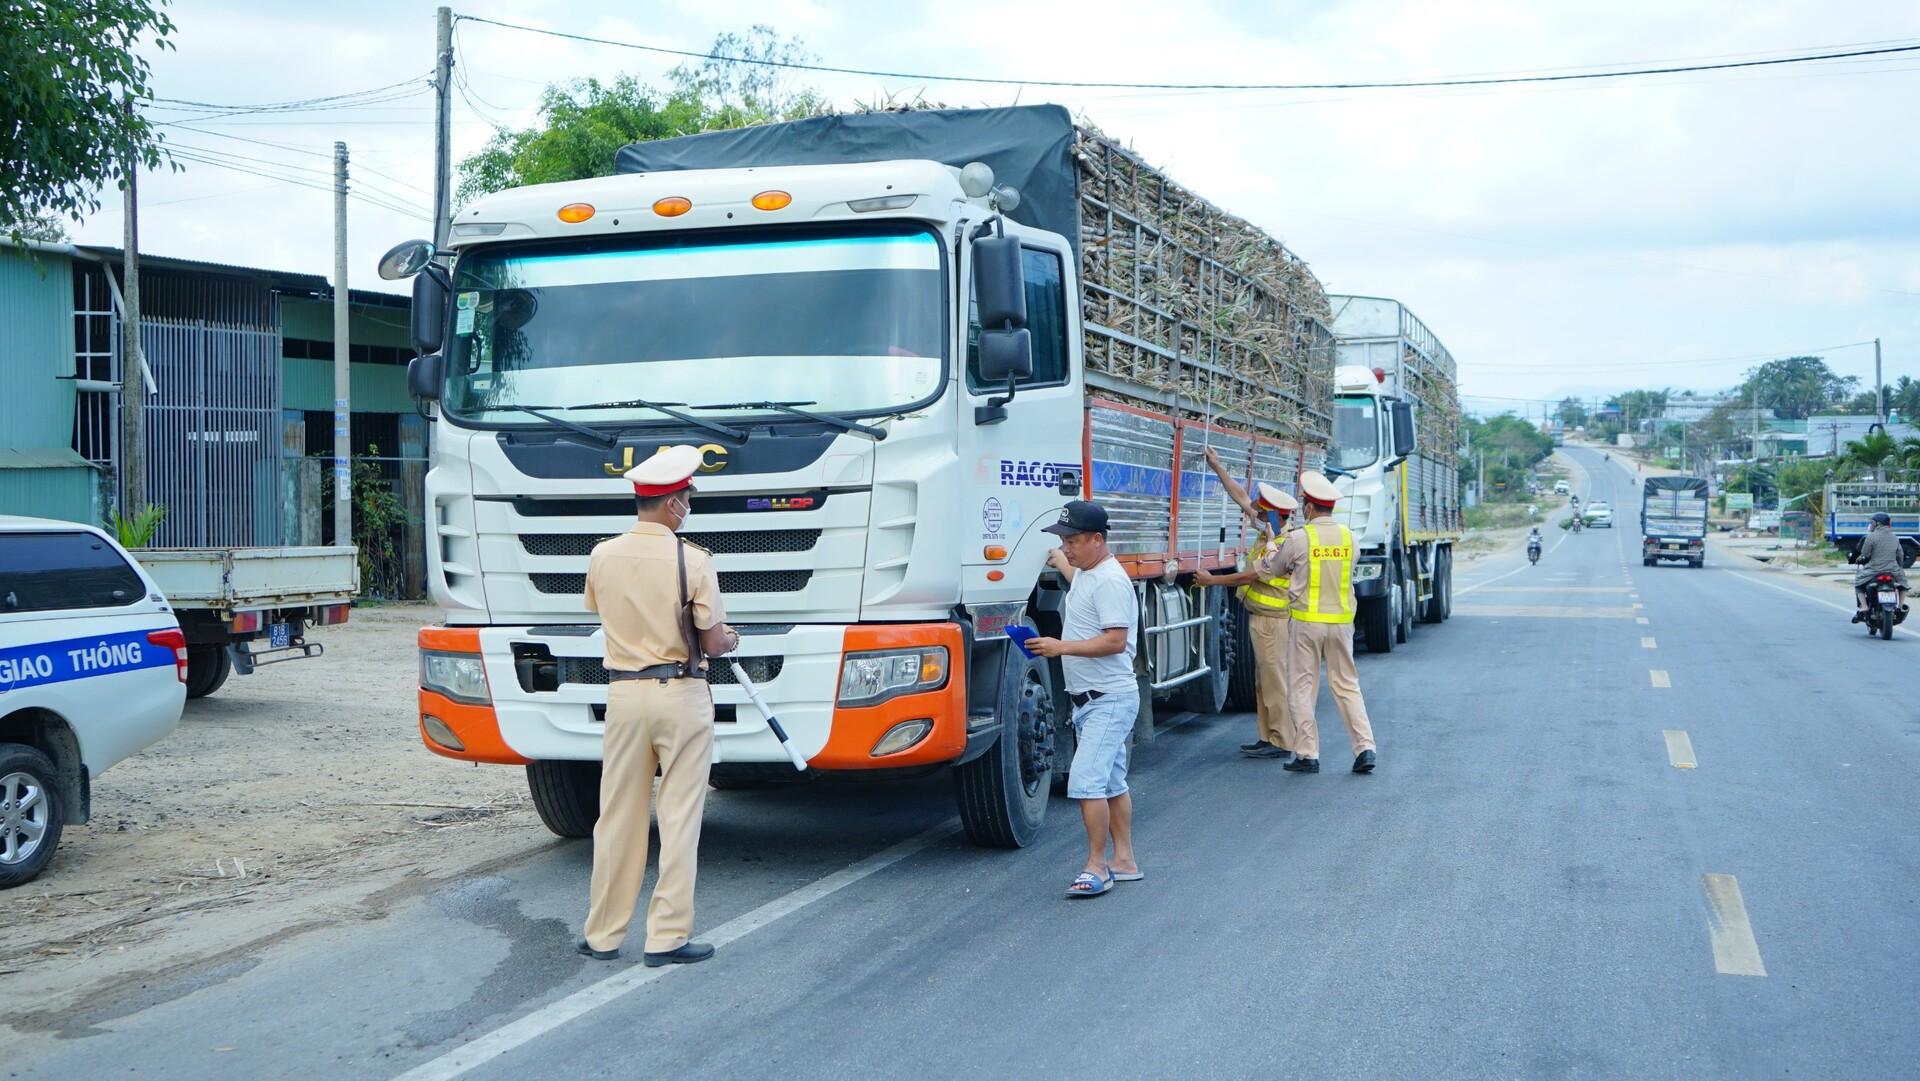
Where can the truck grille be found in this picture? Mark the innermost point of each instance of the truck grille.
(742, 542)
(730, 582)
(591, 670)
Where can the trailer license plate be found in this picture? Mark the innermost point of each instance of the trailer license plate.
(1888, 596)
(280, 635)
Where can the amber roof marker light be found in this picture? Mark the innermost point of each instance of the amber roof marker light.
(575, 213)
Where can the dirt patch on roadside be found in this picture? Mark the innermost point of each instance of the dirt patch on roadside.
(288, 798)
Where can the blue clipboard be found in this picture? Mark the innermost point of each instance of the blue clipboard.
(1021, 635)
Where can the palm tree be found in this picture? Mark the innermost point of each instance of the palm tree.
(1909, 451)
(1871, 451)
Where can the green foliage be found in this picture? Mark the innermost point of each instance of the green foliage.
(68, 81)
(379, 526)
(584, 123)
(1509, 447)
(1871, 451)
(1640, 405)
(137, 531)
(1795, 388)
(1571, 413)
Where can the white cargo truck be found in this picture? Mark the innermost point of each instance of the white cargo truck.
(245, 607)
(1396, 434)
(902, 342)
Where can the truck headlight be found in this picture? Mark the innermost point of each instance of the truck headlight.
(459, 676)
(1367, 571)
(872, 677)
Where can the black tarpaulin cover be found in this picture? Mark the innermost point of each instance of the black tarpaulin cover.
(1029, 147)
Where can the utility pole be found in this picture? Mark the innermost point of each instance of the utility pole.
(133, 437)
(442, 114)
(342, 361)
(1879, 389)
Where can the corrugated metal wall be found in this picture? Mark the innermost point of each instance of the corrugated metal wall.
(36, 349)
(71, 495)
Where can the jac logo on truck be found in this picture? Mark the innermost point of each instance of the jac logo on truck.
(713, 458)
(1016, 474)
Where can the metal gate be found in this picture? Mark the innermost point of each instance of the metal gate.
(213, 433)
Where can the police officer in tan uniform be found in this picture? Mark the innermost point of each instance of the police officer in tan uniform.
(660, 613)
(1265, 602)
(1317, 561)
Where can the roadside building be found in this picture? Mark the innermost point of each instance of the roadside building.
(239, 404)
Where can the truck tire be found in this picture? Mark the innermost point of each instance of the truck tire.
(1242, 692)
(1408, 593)
(1377, 624)
(1208, 694)
(1002, 795)
(30, 813)
(567, 795)
(1446, 582)
(207, 668)
(1435, 608)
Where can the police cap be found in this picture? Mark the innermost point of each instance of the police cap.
(668, 471)
(1318, 489)
(1272, 498)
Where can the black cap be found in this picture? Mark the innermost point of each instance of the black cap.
(1880, 518)
(1079, 516)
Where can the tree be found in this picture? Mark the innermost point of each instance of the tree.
(1640, 405)
(1871, 451)
(1795, 388)
(1571, 413)
(584, 123)
(68, 127)
(1903, 397)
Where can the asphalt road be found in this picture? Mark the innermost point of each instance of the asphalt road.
(1542, 880)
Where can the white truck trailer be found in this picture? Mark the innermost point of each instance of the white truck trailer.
(902, 342)
(1396, 434)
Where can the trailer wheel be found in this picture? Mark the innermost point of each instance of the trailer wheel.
(1435, 609)
(567, 795)
(1208, 694)
(1242, 689)
(207, 668)
(1446, 579)
(1377, 623)
(1003, 793)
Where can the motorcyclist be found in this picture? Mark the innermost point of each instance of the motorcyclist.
(1879, 554)
(1533, 543)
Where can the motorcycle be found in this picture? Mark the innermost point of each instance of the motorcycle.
(1533, 553)
(1886, 606)
(1576, 523)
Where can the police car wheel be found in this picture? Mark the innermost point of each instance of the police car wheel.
(30, 814)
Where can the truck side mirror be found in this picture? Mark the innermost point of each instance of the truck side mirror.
(429, 311)
(423, 377)
(1403, 436)
(999, 283)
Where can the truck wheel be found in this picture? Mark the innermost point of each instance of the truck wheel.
(30, 813)
(1208, 694)
(1242, 693)
(1407, 593)
(1435, 609)
(1003, 793)
(207, 668)
(1446, 581)
(567, 795)
(1377, 623)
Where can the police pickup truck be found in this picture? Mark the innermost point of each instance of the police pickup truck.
(93, 668)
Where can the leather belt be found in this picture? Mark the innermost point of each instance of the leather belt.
(1085, 697)
(661, 672)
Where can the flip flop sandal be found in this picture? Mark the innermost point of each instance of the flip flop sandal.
(1129, 876)
(1088, 884)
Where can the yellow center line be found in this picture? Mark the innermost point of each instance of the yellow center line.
(1735, 953)
(1679, 750)
(1648, 643)
(1659, 676)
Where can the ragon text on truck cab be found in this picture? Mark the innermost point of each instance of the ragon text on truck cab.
(93, 668)
(898, 370)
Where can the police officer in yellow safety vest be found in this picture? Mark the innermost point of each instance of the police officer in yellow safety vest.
(1317, 561)
(661, 617)
(1265, 601)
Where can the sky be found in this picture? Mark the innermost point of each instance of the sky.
(1583, 238)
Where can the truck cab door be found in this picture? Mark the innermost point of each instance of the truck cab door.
(1026, 467)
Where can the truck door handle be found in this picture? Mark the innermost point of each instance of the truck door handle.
(1069, 482)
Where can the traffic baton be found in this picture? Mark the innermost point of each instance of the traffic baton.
(766, 711)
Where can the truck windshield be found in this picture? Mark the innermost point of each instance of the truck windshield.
(853, 322)
(1356, 432)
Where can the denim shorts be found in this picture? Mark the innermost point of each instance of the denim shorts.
(1103, 728)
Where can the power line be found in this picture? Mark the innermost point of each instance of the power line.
(352, 192)
(1403, 84)
(297, 103)
(1634, 365)
(222, 155)
(359, 165)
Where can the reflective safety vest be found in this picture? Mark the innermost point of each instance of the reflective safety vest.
(1267, 595)
(1327, 555)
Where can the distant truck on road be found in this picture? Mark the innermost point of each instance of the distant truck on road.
(1850, 508)
(244, 607)
(1673, 519)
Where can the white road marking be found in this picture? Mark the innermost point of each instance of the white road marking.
(1679, 749)
(1648, 643)
(1805, 597)
(1735, 953)
(1659, 677)
(1544, 611)
(484, 1049)
(1642, 620)
(1550, 588)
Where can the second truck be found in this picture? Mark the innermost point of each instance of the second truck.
(902, 342)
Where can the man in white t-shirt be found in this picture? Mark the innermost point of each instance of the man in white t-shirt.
(1096, 647)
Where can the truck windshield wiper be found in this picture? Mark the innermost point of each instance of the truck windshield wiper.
(868, 430)
(735, 434)
(601, 438)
